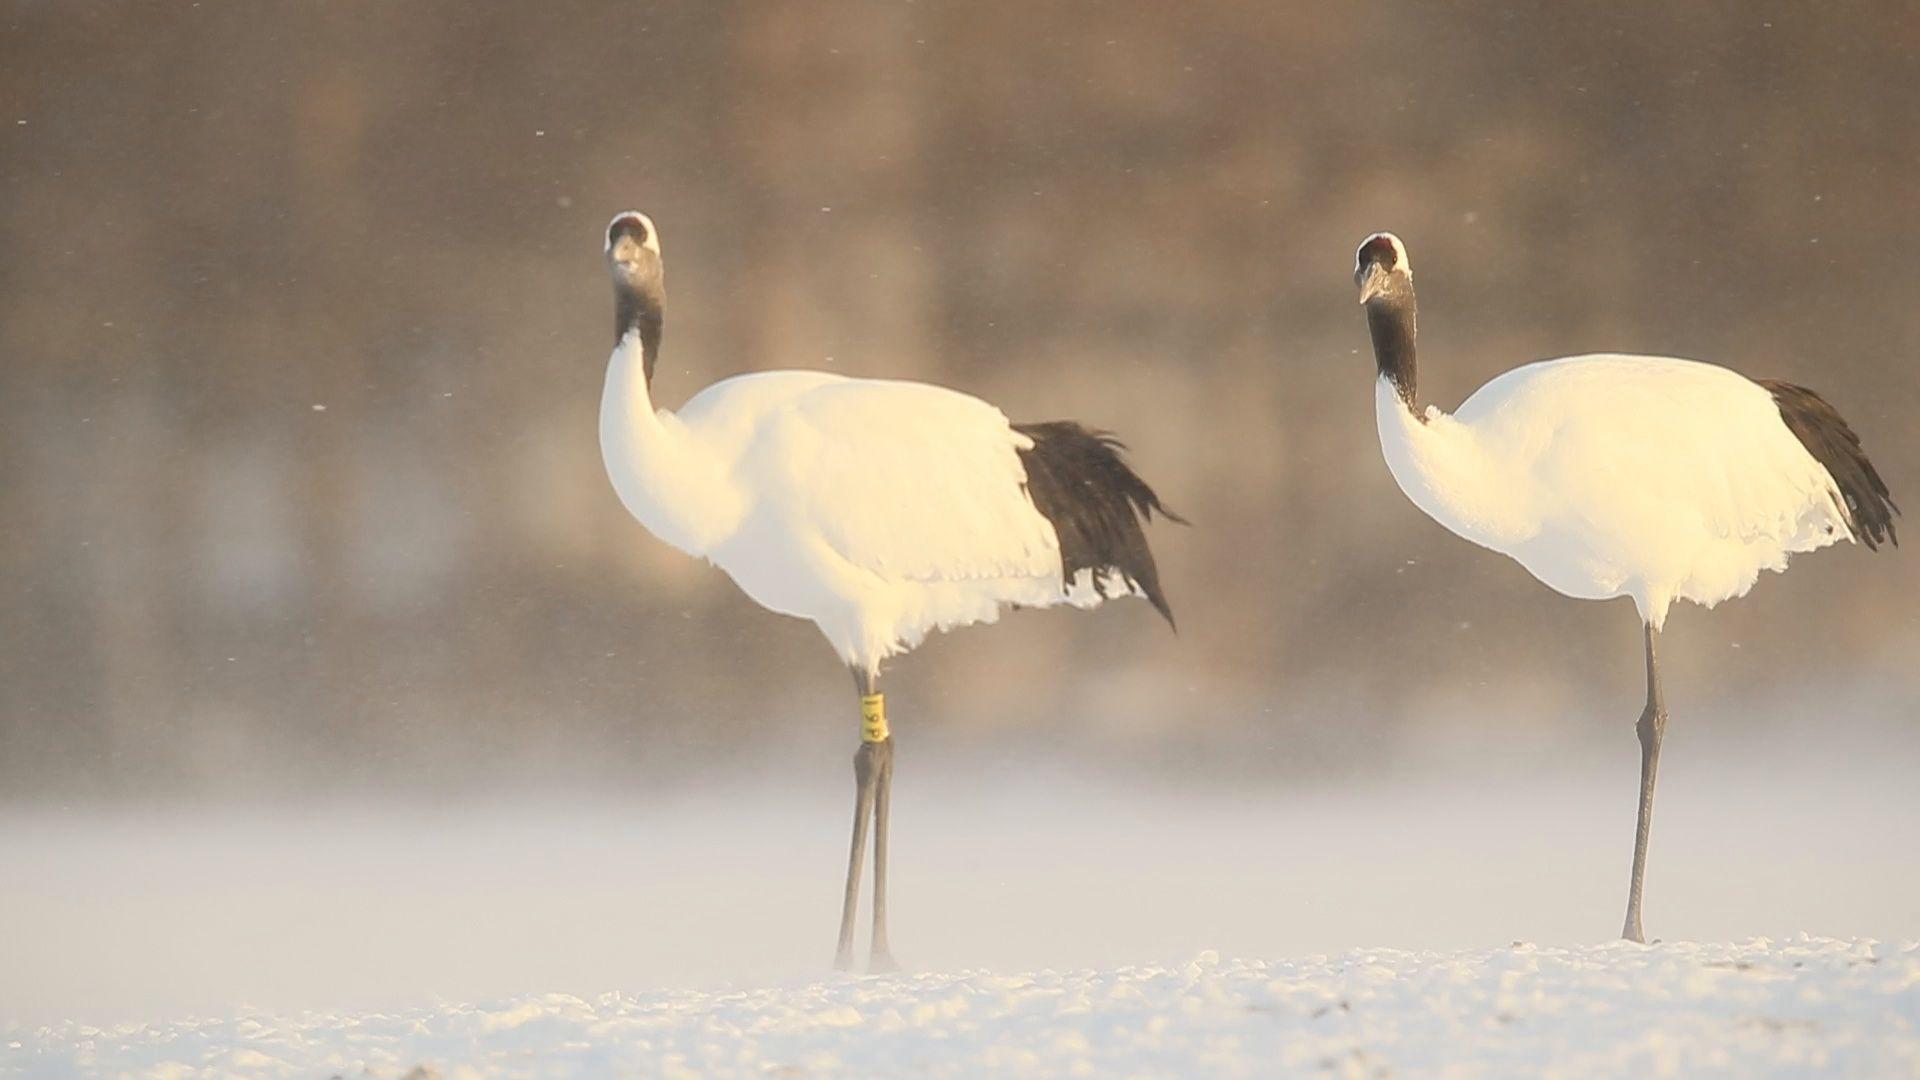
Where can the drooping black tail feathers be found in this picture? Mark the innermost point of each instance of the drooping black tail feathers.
(1870, 510)
(1097, 504)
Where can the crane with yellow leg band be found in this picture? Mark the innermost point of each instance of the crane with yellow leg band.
(880, 510)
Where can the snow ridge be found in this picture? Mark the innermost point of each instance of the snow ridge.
(1750, 1008)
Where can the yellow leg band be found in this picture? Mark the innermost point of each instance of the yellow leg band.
(873, 718)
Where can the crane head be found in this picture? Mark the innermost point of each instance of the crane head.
(633, 251)
(1381, 266)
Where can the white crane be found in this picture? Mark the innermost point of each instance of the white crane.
(1609, 475)
(879, 509)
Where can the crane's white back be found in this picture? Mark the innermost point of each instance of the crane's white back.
(1610, 475)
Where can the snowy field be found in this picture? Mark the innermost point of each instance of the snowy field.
(1756, 1008)
(1053, 921)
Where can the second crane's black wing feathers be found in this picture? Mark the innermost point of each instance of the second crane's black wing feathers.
(1820, 428)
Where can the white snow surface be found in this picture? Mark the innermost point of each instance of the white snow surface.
(1752, 1008)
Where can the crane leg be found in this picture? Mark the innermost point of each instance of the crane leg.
(880, 955)
(862, 812)
(873, 777)
(1652, 728)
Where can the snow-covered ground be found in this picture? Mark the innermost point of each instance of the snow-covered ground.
(1051, 918)
(1755, 1008)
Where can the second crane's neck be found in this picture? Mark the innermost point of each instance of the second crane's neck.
(1444, 465)
(1391, 319)
(640, 314)
(1451, 470)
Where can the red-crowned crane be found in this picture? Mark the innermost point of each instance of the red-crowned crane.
(879, 509)
(1609, 475)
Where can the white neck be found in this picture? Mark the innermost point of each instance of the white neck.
(663, 475)
(1442, 466)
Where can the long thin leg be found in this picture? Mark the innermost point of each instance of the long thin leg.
(873, 777)
(1652, 727)
(863, 776)
(880, 957)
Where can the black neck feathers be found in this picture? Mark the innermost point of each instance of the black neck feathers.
(640, 310)
(1391, 318)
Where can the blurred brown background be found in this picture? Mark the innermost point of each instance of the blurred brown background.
(303, 323)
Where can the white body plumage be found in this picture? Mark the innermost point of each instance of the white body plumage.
(881, 510)
(1611, 475)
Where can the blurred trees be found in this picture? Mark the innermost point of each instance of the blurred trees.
(302, 326)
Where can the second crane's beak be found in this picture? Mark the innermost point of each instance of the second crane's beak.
(1372, 279)
(625, 252)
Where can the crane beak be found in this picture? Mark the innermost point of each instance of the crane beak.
(1373, 281)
